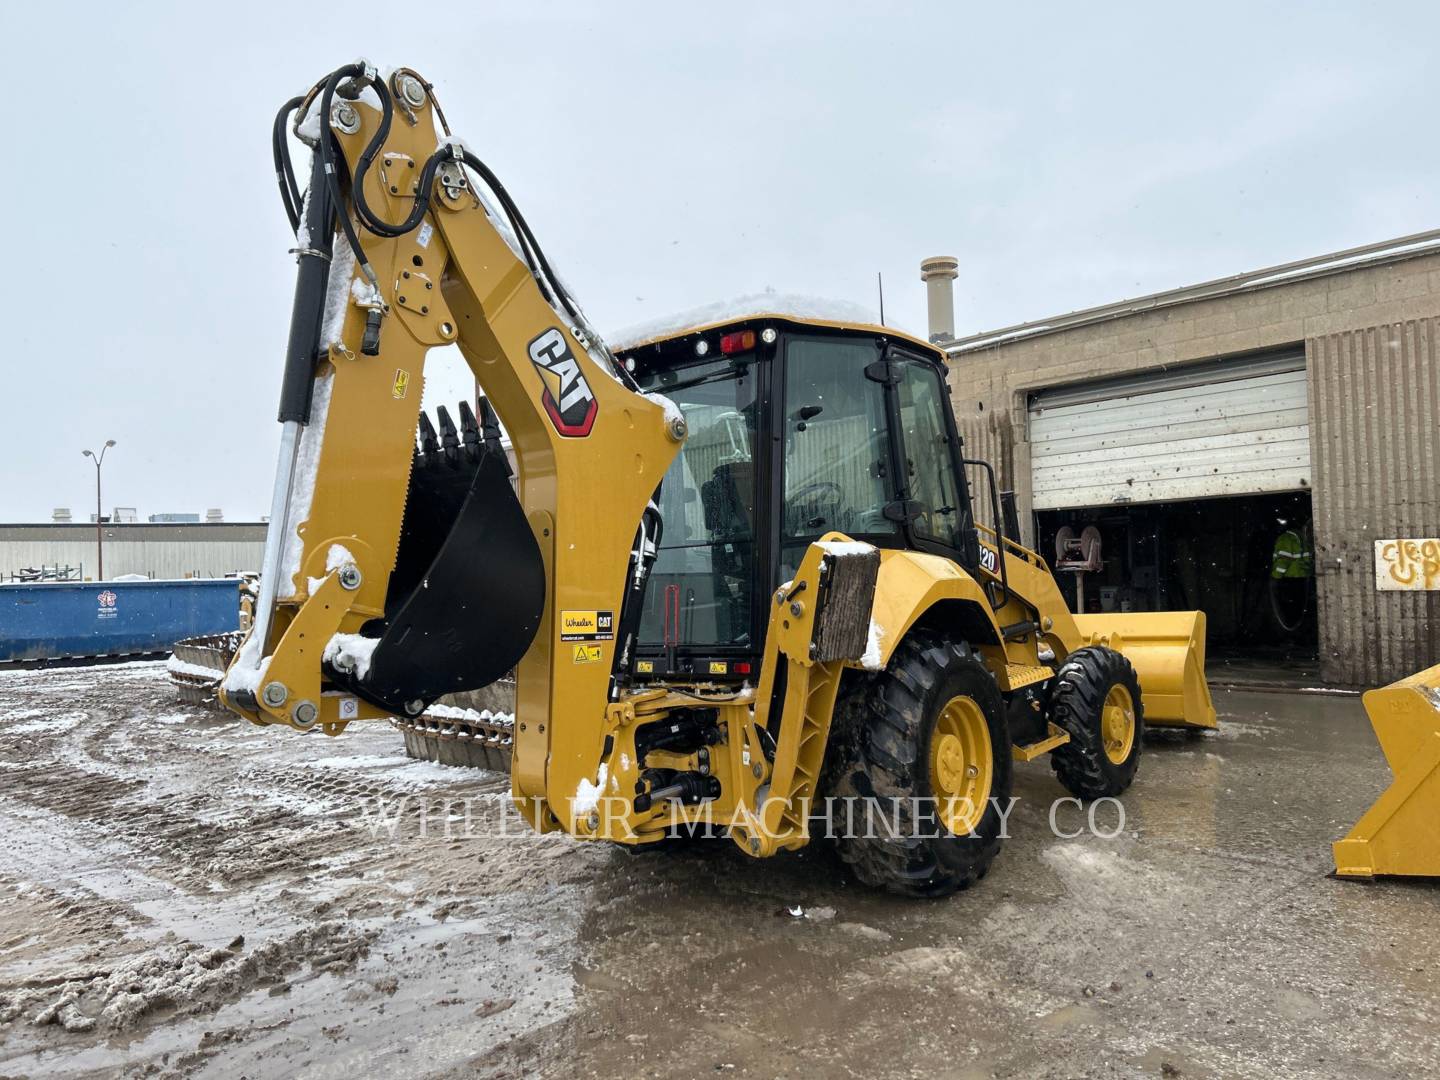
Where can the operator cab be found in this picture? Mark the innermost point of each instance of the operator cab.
(797, 428)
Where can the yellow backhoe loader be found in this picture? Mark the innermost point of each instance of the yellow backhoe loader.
(738, 574)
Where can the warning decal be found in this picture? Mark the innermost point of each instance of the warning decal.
(589, 654)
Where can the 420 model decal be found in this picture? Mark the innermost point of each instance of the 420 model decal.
(567, 396)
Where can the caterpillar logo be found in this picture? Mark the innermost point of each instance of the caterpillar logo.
(567, 396)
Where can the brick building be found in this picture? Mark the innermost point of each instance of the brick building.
(1194, 428)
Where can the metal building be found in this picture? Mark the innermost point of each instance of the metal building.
(1264, 447)
(203, 549)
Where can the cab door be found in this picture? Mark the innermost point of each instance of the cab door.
(934, 497)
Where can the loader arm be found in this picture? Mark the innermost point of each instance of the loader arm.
(371, 607)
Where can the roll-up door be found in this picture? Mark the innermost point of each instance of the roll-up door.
(1232, 427)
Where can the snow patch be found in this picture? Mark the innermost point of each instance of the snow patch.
(769, 302)
(364, 294)
(454, 712)
(672, 411)
(350, 652)
(49, 725)
(587, 795)
(245, 674)
(337, 293)
(309, 126)
(873, 658)
(302, 491)
(176, 666)
(845, 547)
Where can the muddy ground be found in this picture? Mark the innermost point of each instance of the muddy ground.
(185, 895)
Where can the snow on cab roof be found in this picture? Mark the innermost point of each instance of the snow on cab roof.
(793, 306)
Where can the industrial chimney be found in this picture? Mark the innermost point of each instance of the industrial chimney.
(938, 272)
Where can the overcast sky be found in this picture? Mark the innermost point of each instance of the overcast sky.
(667, 155)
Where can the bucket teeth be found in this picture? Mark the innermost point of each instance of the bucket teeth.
(429, 441)
(469, 431)
(449, 437)
(490, 427)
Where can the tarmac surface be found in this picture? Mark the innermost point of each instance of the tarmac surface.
(186, 895)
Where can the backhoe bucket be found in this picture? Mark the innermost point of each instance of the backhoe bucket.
(1400, 834)
(1167, 649)
(468, 588)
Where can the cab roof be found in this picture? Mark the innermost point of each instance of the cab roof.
(764, 307)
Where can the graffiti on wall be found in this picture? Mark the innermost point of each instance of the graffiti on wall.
(1407, 565)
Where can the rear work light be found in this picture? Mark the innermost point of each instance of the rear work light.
(740, 341)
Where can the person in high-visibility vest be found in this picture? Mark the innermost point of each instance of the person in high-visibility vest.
(1293, 557)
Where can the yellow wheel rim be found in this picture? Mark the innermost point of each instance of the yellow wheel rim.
(961, 764)
(1117, 724)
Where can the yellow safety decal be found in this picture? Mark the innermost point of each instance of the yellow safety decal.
(588, 654)
(587, 625)
(402, 382)
(644, 667)
(718, 667)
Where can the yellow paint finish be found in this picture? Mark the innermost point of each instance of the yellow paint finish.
(1398, 834)
(1117, 724)
(961, 764)
(909, 584)
(782, 821)
(1018, 676)
(583, 496)
(1055, 737)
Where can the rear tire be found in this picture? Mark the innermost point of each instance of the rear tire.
(933, 719)
(1097, 700)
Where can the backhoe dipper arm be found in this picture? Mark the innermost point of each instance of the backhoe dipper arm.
(392, 576)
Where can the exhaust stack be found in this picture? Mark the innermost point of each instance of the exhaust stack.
(938, 272)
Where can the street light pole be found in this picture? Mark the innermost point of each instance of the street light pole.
(99, 460)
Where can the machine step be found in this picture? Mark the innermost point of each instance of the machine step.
(1015, 676)
(1055, 738)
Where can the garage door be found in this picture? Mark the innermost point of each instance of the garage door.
(1233, 427)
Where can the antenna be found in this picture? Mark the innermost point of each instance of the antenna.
(880, 285)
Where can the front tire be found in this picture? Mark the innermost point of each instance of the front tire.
(1097, 700)
(927, 767)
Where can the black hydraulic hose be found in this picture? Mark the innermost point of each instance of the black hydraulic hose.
(530, 249)
(328, 166)
(284, 171)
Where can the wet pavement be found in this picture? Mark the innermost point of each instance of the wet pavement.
(185, 895)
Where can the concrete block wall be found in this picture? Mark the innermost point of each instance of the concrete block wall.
(1373, 430)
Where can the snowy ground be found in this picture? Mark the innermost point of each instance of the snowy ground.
(182, 894)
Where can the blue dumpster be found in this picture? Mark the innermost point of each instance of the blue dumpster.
(53, 620)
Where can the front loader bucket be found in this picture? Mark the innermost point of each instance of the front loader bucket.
(1400, 834)
(1167, 649)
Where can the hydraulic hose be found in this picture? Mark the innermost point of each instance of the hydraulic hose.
(284, 171)
(331, 163)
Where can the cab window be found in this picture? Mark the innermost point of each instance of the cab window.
(929, 458)
(836, 446)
